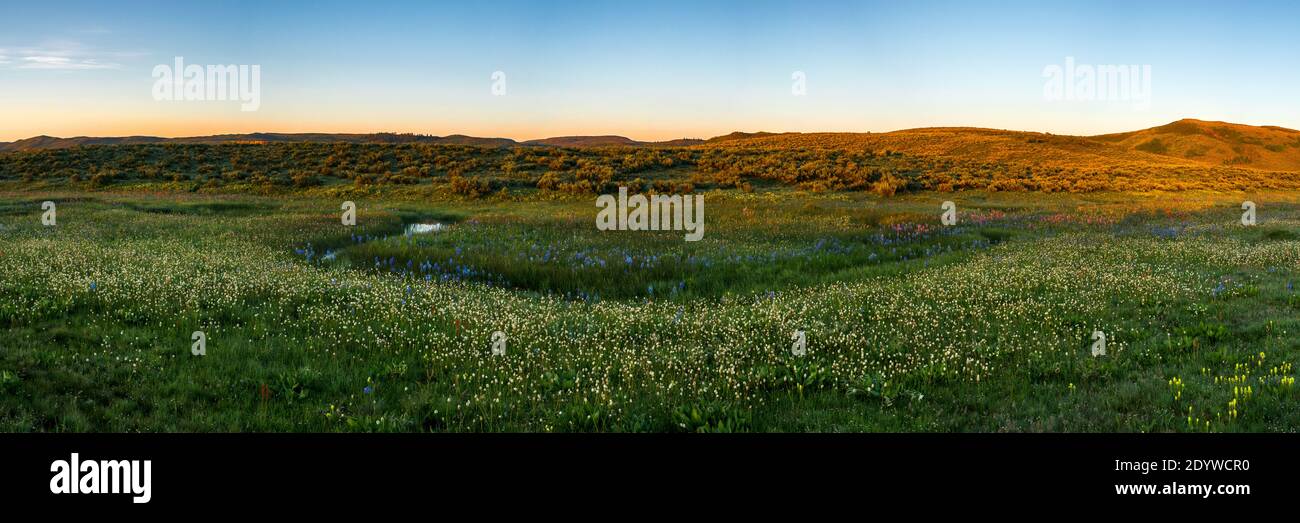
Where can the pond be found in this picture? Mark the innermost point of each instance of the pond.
(424, 228)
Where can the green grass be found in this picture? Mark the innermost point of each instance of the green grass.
(910, 326)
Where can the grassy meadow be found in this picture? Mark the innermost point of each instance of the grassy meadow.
(910, 325)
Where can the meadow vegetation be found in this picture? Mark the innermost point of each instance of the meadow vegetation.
(911, 326)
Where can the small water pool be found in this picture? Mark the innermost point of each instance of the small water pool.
(424, 228)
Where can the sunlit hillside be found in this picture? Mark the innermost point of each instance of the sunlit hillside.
(1183, 143)
(1182, 155)
(969, 143)
(1216, 143)
(1185, 155)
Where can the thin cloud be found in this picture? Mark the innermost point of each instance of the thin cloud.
(62, 56)
(64, 63)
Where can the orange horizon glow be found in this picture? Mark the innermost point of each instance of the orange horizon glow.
(209, 127)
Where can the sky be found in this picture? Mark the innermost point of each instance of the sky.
(647, 70)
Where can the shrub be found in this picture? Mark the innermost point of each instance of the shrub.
(1154, 146)
(102, 178)
(472, 187)
(305, 179)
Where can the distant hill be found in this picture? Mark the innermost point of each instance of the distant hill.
(1181, 144)
(737, 135)
(608, 141)
(460, 139)
(584, 141)
(680, 142)
(1185, 143)
(49, 142)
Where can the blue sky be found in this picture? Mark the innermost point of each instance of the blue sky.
(648, 70)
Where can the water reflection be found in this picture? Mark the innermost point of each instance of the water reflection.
(423, 228)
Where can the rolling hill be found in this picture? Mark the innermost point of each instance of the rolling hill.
(608, 141)
(49, 142)
(39, 143)
(1179, 145)
(1185, 143)
(1217, 143)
